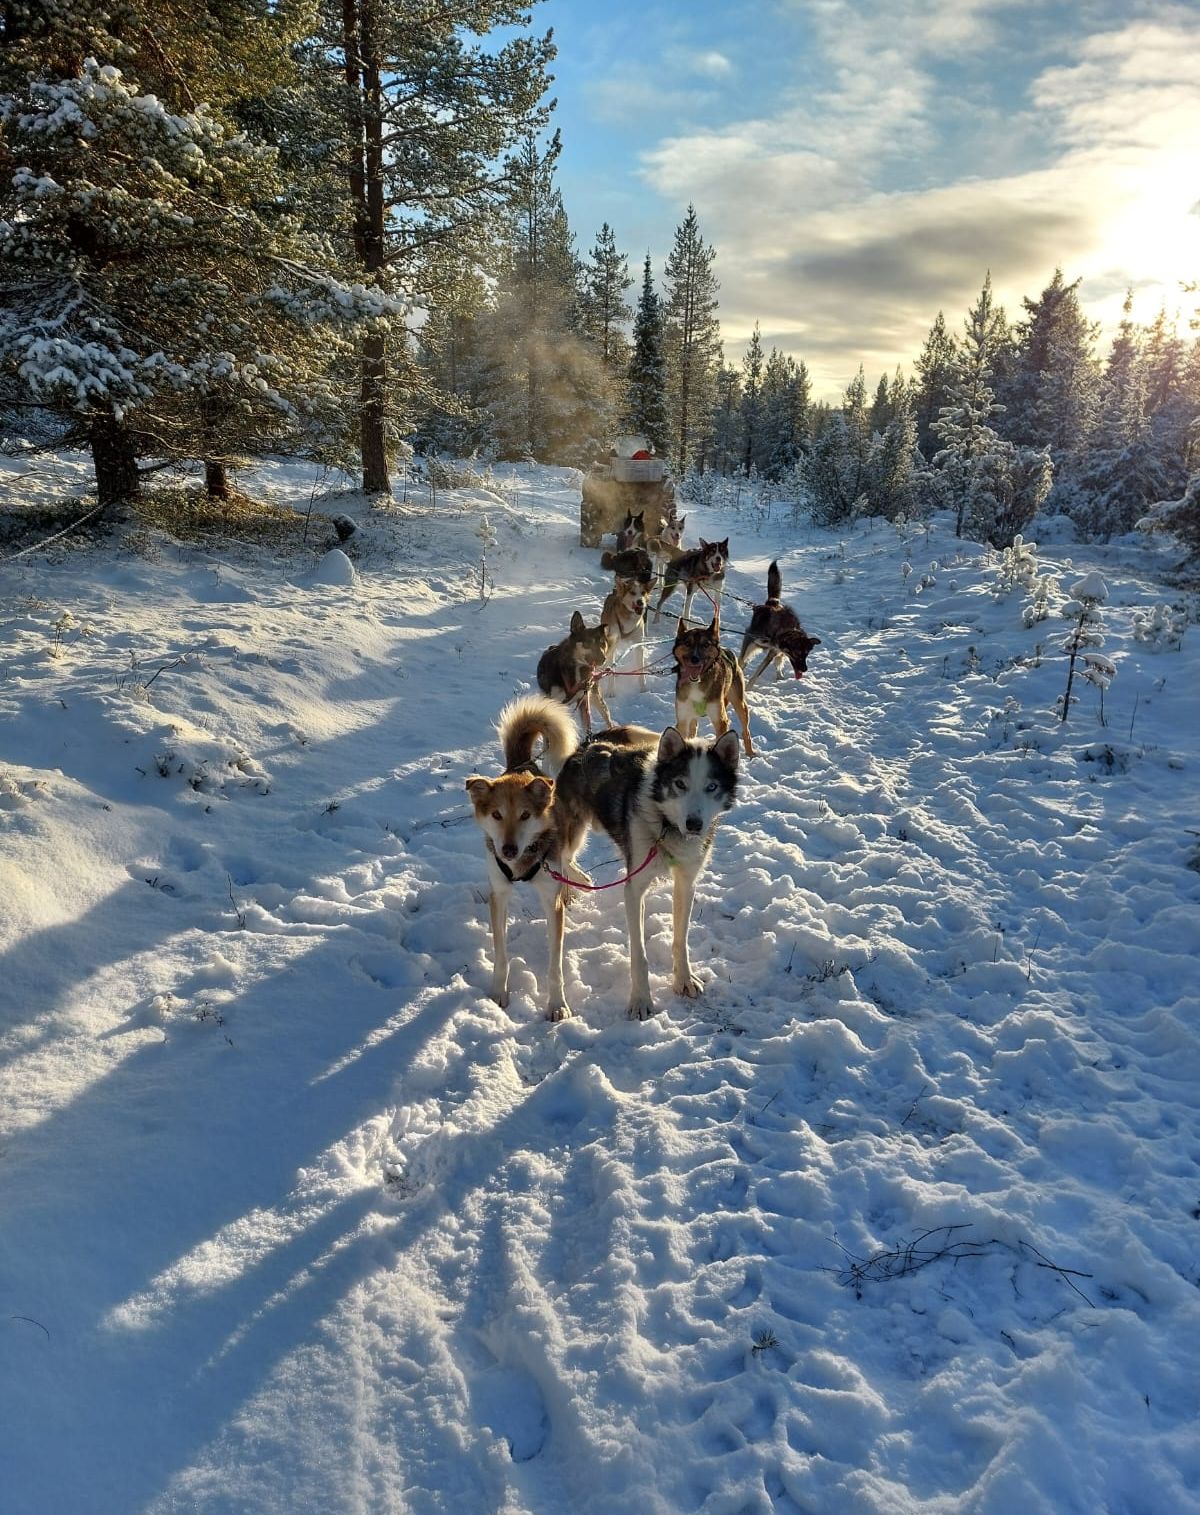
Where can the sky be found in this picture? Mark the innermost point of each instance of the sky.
(860, 164)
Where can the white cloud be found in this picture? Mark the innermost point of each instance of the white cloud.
(839, 270)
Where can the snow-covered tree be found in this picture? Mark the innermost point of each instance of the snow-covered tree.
(1050, 396)
(784, 428)
(157, 298)
(837, 468)
(996, 488)
(1086, 635)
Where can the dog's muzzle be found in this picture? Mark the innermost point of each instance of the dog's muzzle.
(694, 823)
(509, 850)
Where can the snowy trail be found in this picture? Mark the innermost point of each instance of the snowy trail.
(384, 1247)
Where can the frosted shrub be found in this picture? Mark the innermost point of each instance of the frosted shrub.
(1038, 608)
(1160, 629)
(1018, 565)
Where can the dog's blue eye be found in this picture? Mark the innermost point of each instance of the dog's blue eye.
(710, 788)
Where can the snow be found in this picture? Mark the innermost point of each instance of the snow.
(900, 1216)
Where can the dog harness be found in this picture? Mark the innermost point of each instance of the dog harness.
(537, 849)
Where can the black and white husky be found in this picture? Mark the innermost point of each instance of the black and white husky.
(659, 799)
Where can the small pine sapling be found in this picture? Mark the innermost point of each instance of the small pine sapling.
(1099, 671)
(1038, 608)
(1087, 595)
(1018, 565)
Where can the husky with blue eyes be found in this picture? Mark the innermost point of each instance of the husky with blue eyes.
(659, 798)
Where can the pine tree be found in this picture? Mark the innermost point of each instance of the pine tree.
(996, 487)
(692, 338)
(549, 393)
(784, 429)
(837, 469)
(750, 413)
(724, 447)
(881, 406)
(1050, 396)
(162, 298)
(934, 367)
(604, 308)
(421, 118)
(646, 393)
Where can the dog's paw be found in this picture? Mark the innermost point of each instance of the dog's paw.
(641, 1009)
(558, 1012)
(690, 987)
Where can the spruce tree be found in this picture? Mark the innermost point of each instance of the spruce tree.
(934, 367)
(646, 393)
(603, 307)
(750, 413)
(692, 338)
(162, 297)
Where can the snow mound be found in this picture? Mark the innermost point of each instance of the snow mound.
(334, 568)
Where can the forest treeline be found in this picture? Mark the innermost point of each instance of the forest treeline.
(332, 229)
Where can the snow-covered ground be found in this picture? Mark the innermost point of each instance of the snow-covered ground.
(903, 1215)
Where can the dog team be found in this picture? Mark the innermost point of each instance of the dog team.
(659, 797)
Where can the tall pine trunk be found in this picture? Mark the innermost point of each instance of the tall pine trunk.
(364, 103)
(115, 459)
(364, 120)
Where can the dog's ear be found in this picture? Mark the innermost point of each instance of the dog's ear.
(682, 628)
(725, 749)
(724, 547)
(714, 629)
(577, 624)
(540, 792)
(703, 545)
(479, 789)
(671, 744)
(640, 518)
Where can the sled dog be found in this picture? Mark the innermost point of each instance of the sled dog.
(702, 567)
(632, 532)
(632, 563)
(775, 628)
(664, 549)
(516, 814)
(624, 614)
(658, 798)
(567, 671)
(708, 681)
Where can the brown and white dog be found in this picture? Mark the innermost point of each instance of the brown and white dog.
(701, 568)
(709, 681)
(775, 628)
(624, 614)
(567, 671)
(515, 812)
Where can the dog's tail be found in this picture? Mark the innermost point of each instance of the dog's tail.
(608, 560)
(774, 582)
(523, 721)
